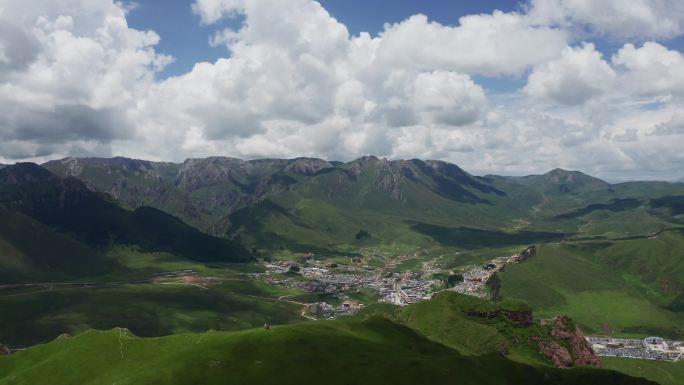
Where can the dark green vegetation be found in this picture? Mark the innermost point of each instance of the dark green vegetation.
(55, 227)
(371, 351)
(146, 309)
(472, 325)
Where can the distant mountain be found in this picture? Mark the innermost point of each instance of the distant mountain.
(313, 203)
(559, 181)
(201, 191)
(68, 206)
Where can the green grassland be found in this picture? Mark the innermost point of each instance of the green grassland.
(662, 372)
(630, 287)
(146, 309)
(373, 351)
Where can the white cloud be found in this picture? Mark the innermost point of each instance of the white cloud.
(496, 44)
(69, 74)
(651, 70)
(75, 79)
(577, 76)
(211, 11)
(645, 19)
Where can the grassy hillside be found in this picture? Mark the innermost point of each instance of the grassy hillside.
(39, 315)
(314, 205)
(664, 373)
(621, 287)
(32, 251)
(91, 218)
(374, 351)
(417, 203)
(454, 320)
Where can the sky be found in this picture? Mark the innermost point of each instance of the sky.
(501, 87)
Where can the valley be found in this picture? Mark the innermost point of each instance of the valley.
(104, 244)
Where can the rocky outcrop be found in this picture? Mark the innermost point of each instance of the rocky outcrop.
(198, 173)
(521, 318)
(307, 166)
(557, 354)
(4, 350)
(564, 331)
(528, 253)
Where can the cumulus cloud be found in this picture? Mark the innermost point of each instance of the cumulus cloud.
(577, 76)
(69, 73)
(651, 70)
(75, 79)
(297, 83)
(643, 19)
(496, 44)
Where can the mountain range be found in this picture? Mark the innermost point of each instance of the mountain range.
(312, 203)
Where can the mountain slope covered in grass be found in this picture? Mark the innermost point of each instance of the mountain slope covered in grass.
(66, 206)
(629, 286)
(312, 204)
(31, 251)
(373, 351)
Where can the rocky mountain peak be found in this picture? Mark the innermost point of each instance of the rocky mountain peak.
(307, 166)
(200, 172)
(568, 181)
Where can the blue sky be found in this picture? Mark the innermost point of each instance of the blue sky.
(187, 40)
(183, 36)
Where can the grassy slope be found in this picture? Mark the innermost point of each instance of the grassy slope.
(446, 319)
(31, 251)
(68, 206)
(628, 287)
(375, 351)
(330, 208)
(146, 309)
(664, 373)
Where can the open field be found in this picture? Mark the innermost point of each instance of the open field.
(664, 373)
(145, 309)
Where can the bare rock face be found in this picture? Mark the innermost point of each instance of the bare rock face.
(520, 318)
(559, 355)
(307, 166)
(197, 173)
(565, 331)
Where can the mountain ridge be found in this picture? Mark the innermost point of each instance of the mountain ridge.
(93, 218)
(331, 201)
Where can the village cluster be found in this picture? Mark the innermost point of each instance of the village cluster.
(315, 277)
(391, 286)
(651, 348)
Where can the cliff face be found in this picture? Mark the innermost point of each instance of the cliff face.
(569, 347)
(521, 318)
